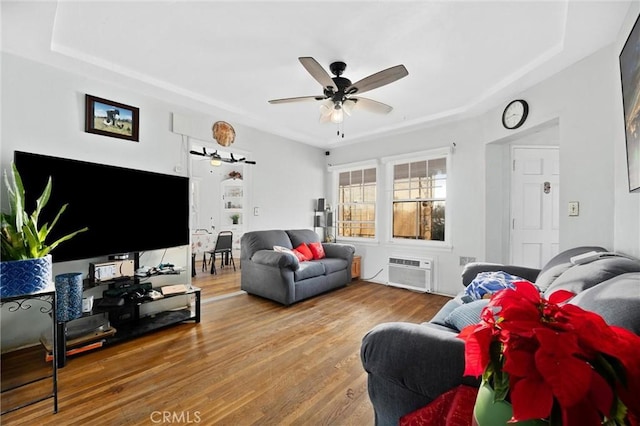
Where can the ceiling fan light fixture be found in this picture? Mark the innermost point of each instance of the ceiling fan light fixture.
(326, 108)
(337, 115)
(347, 107)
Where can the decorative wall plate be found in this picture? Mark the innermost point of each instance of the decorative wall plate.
(223, 133)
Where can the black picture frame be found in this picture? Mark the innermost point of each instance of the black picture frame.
(109, 118)
(630, 79)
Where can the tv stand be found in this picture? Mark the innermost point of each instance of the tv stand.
(125, 321)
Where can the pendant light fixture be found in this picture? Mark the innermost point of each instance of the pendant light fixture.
(216, 160)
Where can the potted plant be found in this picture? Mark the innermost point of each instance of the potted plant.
(553, 361)
(25, 253)
(235, 218)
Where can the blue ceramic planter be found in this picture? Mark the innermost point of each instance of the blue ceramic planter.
(18, 277)
(69, 296)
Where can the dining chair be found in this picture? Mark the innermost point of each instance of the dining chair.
(224, 247)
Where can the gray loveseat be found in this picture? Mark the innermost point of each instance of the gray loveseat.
(409, 365)
(280, 276)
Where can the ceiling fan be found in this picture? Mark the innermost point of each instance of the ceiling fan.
(338, 92)
(216, 159)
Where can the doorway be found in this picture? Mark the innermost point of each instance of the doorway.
(213, 203)
(535, 212)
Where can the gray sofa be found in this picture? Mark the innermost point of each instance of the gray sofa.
(280, 276)
(409, 365)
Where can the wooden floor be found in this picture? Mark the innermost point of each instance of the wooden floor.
(224, 282)
(249, 362)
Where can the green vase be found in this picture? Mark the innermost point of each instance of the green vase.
(486, 412)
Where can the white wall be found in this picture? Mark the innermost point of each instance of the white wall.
(581, 99)
(465, 199)
(43, 112)
(285, 183)
(583, 104)
(626, 230)
(586, 101)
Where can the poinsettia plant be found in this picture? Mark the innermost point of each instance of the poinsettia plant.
(553, 360)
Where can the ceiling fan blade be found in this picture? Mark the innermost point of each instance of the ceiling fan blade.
(378, 79)
(317, 72)
(297, 99)
(369, 105)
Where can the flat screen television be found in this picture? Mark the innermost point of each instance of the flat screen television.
(126, 210)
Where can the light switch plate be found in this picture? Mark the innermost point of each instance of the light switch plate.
(574, 208)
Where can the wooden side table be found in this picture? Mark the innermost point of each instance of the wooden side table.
(355, 267)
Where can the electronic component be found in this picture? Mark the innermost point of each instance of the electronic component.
(111, 270)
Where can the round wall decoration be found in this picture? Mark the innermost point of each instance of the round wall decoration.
(223, 133)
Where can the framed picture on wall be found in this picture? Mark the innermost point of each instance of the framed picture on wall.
(630, 76)
(109, 118)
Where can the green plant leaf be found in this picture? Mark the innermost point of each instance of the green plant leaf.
(65, 238)
(43, 199)
(21, 238)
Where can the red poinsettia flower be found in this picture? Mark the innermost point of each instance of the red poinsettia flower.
(478, 339)
(551, 354)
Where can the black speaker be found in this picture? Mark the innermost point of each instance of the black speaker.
(320, 204)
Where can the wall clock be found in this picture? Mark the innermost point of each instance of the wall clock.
(515, 114)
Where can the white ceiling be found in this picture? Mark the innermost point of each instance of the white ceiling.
(463, 57)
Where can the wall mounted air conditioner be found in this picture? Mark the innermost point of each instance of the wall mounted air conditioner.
(414, 274)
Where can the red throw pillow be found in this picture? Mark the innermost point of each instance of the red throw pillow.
(304, 250)
(299, 255)
(317, 250)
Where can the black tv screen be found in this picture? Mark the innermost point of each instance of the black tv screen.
(126, 210)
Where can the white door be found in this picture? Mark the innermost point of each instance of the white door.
(535, 190)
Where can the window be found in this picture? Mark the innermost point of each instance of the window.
(419, 199)
(357, 203)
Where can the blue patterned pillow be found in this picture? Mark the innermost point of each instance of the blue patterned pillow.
(490, 282)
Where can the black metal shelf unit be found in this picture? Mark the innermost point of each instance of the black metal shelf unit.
(323, 221)
(135, 325)
(24, 302)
